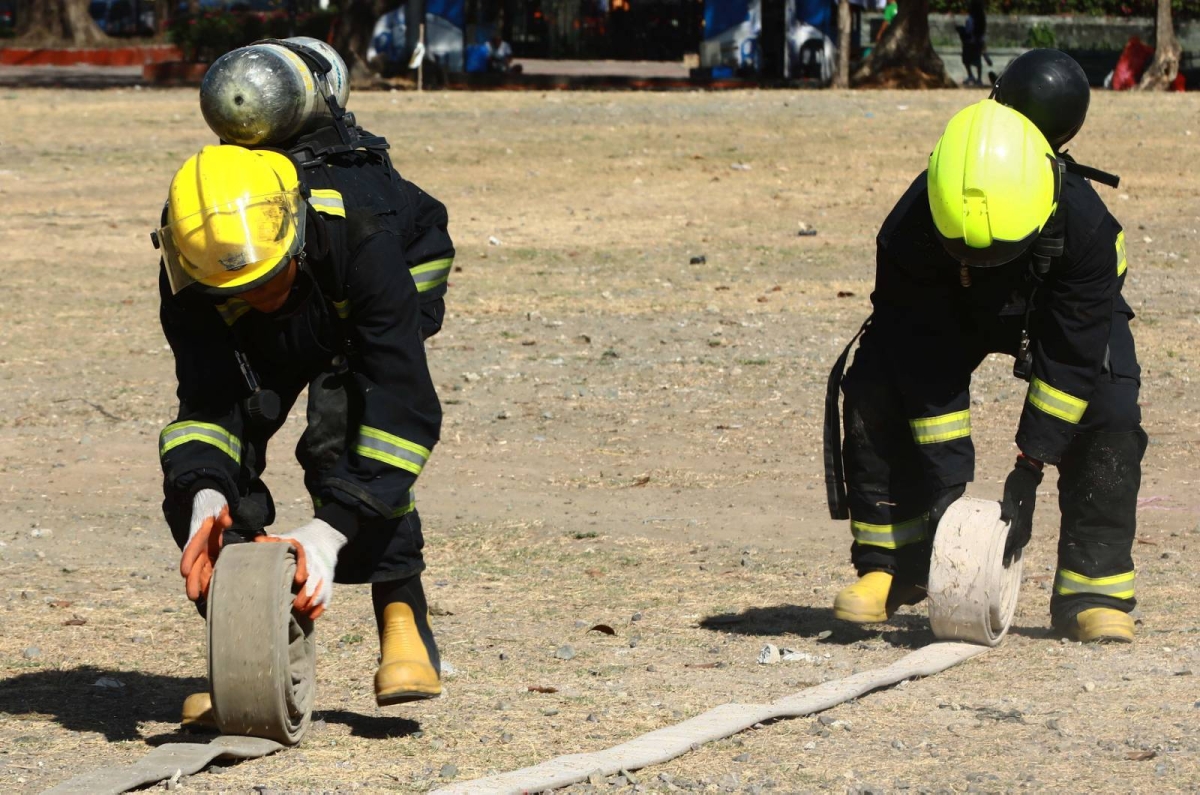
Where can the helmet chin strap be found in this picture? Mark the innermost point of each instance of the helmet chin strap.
(1088, 172)
(1052, 238)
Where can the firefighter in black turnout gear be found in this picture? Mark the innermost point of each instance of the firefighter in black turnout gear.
(318, 268)
(1002, 246)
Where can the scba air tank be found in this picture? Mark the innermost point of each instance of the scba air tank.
(266, 94)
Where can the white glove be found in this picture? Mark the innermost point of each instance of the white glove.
(317, 546)
(207, 504)
(210, 520)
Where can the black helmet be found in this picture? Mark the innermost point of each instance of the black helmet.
(1050, 89)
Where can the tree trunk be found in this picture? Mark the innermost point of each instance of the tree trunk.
(1165, 67)
(904, 56)
(841, 78)
(162, 12)
(352, 34)
(65, 23)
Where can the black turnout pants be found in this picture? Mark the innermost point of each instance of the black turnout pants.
(383, 550)
(895, 465)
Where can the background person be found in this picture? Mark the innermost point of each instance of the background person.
(500, 56)
(972, 34)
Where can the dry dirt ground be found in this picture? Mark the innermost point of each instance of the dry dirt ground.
(631, 438)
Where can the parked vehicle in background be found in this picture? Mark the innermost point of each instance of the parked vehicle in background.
(444, 21)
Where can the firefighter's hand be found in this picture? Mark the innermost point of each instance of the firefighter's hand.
(317, 546)
(1020, 494)
(210, 520)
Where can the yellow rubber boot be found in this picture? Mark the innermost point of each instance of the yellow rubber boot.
(406, 670)
(874, 598)
(198, 713)
(1101, 625)
(864, 602)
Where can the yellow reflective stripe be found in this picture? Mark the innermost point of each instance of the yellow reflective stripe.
(1122, 264)
(389, 449)
(430, 274)
(1055, 402)
(343, 308)
(1119, 586)
(890, 536)
(327, 201)
(403, 509)
(232, 309)
(942, 428)
(183, 432)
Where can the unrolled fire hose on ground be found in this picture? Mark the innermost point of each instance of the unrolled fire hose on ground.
(972, 598)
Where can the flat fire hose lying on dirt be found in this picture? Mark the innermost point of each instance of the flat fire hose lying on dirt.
(258, 689)
(972, 596)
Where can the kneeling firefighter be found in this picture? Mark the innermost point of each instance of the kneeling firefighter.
(1002, 246)
(312, 265)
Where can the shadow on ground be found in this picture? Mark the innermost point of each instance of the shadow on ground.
(375, 727)
(904, 630)
(127, 699)
(114, 708)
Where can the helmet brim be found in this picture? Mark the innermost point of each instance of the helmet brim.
(233, 247)
(1000, 252)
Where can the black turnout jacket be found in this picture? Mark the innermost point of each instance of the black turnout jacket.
(938, 327)
(377, 259)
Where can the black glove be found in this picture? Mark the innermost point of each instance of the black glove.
(1020, 494)
(942, 499)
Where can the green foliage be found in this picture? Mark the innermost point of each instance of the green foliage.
(208, 35)
(1181, 9)
(1041, 35)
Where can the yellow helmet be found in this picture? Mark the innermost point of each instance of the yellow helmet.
(993, 184)
(235, 217)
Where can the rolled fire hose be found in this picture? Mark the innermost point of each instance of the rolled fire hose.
(972, 595)
(972, 598)
(261, 654)
(261, 670)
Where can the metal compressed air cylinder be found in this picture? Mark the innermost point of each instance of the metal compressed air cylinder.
(266, 94)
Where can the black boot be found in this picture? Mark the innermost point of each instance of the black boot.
(1099, 478)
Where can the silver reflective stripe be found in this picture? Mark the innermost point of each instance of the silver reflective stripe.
(431, 274)
(890, 536)
(943, 428)
(328, 201)
(205, 432)
(392, 450)
(1119, 586)
(1055, 402)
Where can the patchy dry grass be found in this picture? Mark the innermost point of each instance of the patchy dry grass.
(627, 434)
